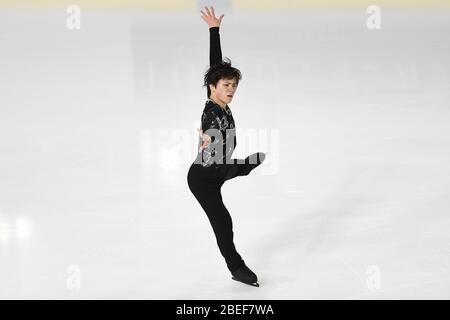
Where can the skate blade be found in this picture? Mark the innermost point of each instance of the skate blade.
(256, 284)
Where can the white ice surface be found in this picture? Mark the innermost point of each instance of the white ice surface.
(97, 132)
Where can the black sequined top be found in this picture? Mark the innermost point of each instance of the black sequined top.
(216, 117)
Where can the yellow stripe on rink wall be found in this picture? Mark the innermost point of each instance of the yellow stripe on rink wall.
(175, 5)
(344, 4)
(245, 5)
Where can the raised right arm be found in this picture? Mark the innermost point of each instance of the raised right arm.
(215, 52)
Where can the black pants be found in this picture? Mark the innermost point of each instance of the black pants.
(205, 183)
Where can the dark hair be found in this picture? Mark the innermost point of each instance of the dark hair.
(222, 70)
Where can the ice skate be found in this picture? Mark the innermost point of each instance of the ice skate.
(245, 275)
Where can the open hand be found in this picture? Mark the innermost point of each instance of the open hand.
(205, 138)
(210, 17)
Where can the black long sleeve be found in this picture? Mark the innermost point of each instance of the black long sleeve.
(215, 117)
(215, 52)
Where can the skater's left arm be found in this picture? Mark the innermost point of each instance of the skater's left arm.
(210, 120)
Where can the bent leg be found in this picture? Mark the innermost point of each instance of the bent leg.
(211, 201)
(244, 167)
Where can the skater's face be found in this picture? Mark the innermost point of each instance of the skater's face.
(224, 91)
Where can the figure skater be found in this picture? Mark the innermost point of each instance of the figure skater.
(217, 141)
